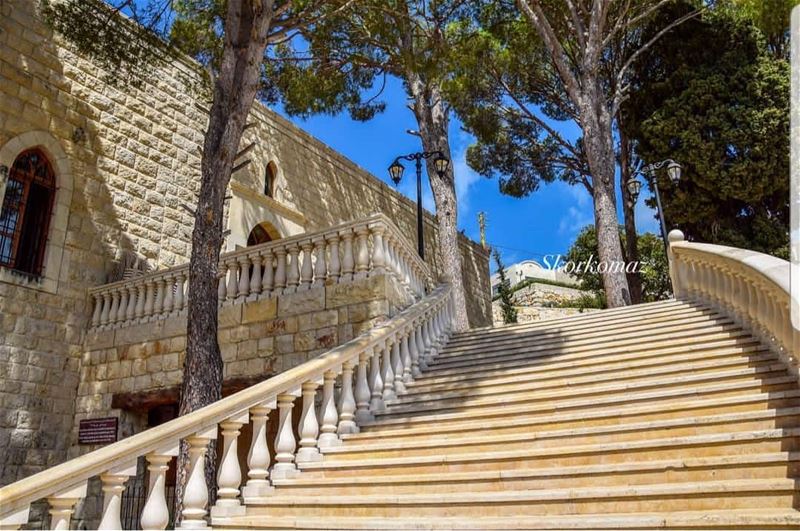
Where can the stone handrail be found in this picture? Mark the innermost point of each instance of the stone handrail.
(350, 251)
(372, 368)
(751, 287)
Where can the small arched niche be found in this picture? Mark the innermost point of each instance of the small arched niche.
(262, 233)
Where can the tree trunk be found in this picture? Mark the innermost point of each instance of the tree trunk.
(599, 145)
(246, 26)
(433, 119)
(629, 216)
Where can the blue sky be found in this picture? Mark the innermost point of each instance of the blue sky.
(544, 223)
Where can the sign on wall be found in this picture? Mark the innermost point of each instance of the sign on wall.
(98, 431)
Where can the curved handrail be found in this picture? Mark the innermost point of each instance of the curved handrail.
(19, 495)
(751, 287)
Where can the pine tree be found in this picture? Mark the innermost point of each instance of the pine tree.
(504, 290)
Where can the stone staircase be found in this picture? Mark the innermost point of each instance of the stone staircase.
(667, 415)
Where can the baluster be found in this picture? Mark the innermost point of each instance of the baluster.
(195, 495)
(155, 513)
(378, 257)
(130, 312)
(180, 286)
(335, 264)
(113, 485)
(285, 443)
(229, 474)
(348, 262)
(376, 380)
(347, 403)
(405, 353)
(309, 426)
(397, 367)
(222, 289)
(293, 275)
(233, 280)
(169, 293)
(255, 279)
(16, 519)
(363, 394)
(98, 308)
(149, 298)
(329, 417)
(423, 364)
(140, 300)
(362, 252)
(268, 278)
(388, 372)
(243, 289)
(104, 314)
(280, 270)
(158, 303)
(258, 459)
(114, 310)
(321, 267)
(123, 305)
(388, 253)
(307, 271)
(62, 506)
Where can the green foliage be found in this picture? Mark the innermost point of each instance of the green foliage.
(654, 269)
(772, 19)
(587, 301)
(713, 97)
(505, 91)
(126, 49)
(504, 291)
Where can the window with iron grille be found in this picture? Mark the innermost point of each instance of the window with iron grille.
(25, 216)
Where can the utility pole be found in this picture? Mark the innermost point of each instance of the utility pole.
(482, 225)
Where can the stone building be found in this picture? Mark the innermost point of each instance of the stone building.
(97, 182)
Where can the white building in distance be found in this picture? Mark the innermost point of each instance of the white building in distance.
(532, 270)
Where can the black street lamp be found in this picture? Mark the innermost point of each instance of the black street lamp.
(649, 172)
(440, 162)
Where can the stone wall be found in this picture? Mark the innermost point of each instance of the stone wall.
(126, 161)
(536, 302)
(128, 370)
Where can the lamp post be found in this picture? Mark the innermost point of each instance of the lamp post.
(396, 173)
(650, 173)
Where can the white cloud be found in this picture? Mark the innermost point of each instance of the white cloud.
(465, 178)
(574, 220)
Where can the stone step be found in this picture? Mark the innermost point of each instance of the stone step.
(599, 316)
(618, 392)
(749, 519)
(680, 394)
(607, 416)
(596, 361)
(565, 378)
(691, 469)
(588, 434)
(654, 323)
(706, 445)
(523, 357)
(557, 337)
(739, 494)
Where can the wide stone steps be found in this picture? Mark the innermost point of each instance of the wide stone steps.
(527, 438)
(696, 496)
(551, 401)
(755, 403)
(594, 330)
(666, 415)
(607, 349)
(588, 385)
(717, 444)
(719, 468)
(612, 360)
(753, 519)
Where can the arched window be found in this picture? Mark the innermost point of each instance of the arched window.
(269, 179)
(25, 216)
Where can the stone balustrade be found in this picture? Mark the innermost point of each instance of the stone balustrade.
(751, 287)
(370, 368)
(351, 251)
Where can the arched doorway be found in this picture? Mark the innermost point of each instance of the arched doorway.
(262, 233)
